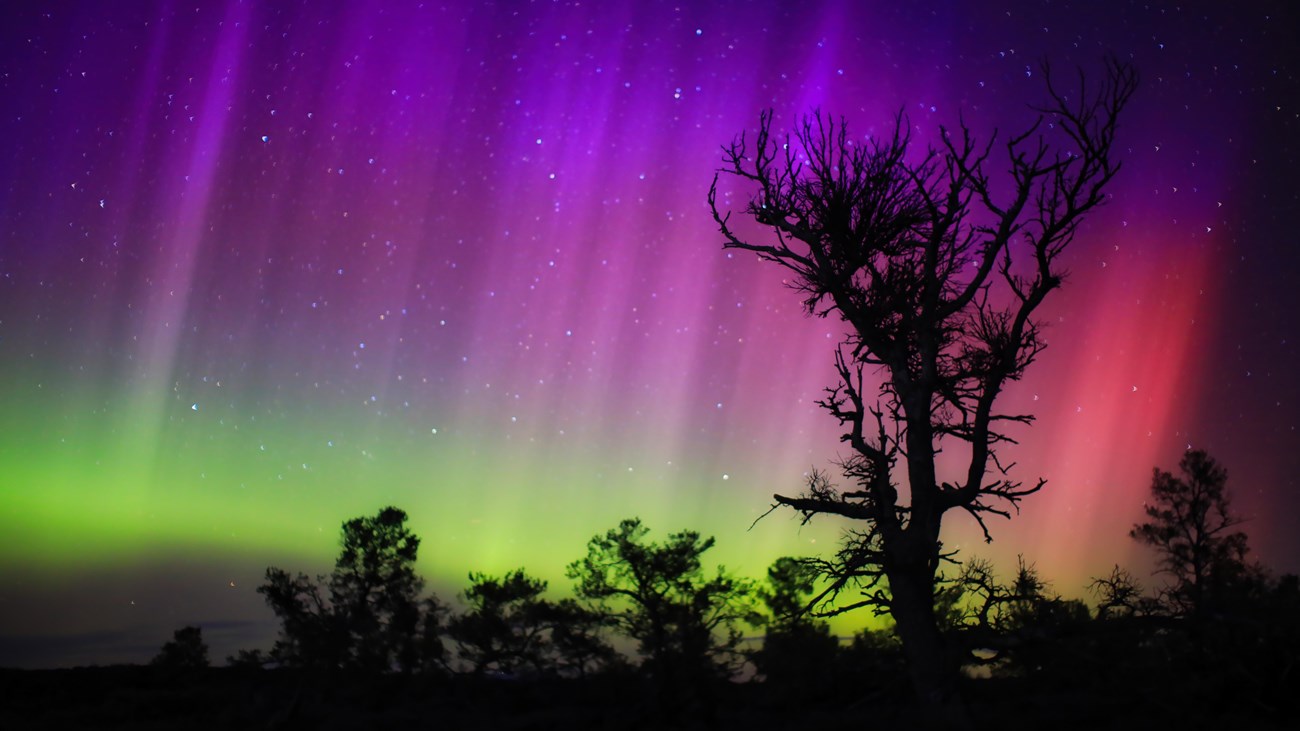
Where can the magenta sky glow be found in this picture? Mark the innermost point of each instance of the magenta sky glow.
(265, 266)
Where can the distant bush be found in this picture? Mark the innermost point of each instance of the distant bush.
(185, 651)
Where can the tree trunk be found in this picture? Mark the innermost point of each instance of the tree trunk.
(932, 668)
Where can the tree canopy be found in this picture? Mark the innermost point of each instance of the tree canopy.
(684, 620)
(1194, 532)
(509, 628)
(185, 651)
(367, 615)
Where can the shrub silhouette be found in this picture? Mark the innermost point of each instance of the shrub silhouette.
(185, 651)
(248, 660)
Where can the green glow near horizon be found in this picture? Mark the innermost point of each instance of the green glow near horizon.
(100, 492)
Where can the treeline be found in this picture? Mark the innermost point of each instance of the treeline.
(670, 632)
(1221, 635)
(683, 622)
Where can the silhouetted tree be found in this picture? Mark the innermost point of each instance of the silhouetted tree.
(799, 652)
(937, 270)
(372, 618)
(1191, 527)
(577, 637)
(790, 584)
(991, 605)
(430, 653)
(872, 661)
(686, 624)
(505, 628)
(376, 591)
(509, 628)
(248, 660)
(311, 632)
(1014, 628)
(1119, 594)
(185, 651)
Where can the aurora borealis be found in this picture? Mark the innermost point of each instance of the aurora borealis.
(266, 266)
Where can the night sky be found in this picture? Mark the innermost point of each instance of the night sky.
(265, 267)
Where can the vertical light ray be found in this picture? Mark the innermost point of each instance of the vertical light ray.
(173, 271)
(281, 185)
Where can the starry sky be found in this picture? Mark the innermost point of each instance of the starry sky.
(267, 266)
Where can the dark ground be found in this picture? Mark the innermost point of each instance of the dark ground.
(132, 697)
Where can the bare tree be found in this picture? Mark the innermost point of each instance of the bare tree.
(937, 271)
(1118, 595)
(993, 606)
